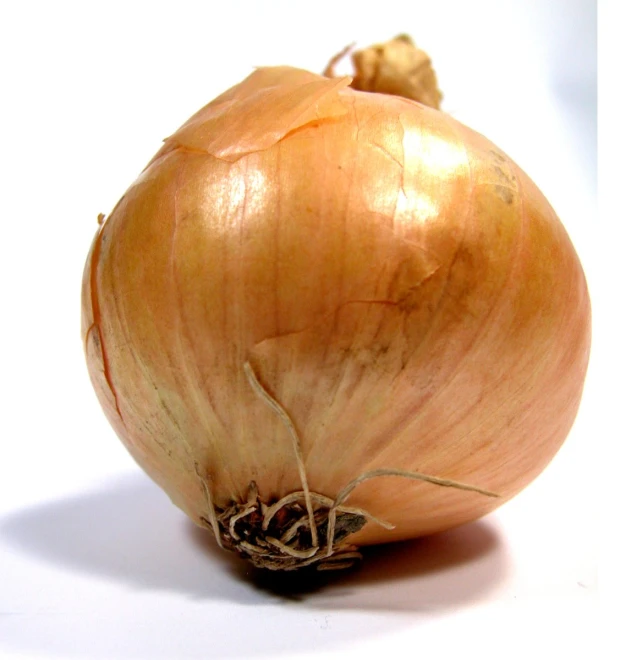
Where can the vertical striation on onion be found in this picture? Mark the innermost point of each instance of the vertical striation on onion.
(312, 292)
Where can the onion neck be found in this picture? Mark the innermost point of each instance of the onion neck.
(396, 67)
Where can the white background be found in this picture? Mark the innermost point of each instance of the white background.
(94, 560)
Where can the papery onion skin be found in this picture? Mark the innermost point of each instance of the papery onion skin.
(399, 285)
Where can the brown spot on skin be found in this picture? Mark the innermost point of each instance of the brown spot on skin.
(95, 337)
(503, 176)
(505, 194)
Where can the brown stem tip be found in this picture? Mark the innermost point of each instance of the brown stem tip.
(395, 67)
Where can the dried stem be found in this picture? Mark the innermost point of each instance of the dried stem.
(396, 67)
(329, 71)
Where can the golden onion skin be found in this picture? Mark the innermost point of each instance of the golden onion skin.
(398, 284)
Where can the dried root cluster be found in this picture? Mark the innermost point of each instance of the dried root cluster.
(279, 536)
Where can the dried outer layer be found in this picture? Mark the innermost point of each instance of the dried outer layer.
(401, 287)
(256, 114)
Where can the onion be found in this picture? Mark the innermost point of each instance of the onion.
(323, 318)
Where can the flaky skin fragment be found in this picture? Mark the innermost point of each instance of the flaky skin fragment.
(398, 284)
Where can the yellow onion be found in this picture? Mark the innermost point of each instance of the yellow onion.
(312, 293)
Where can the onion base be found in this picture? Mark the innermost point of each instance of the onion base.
(278, 536)
(303, 528)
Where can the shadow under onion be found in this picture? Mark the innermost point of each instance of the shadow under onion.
(129, 532)
(441, 571)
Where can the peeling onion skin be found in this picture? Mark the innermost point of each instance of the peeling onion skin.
(399, 285)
